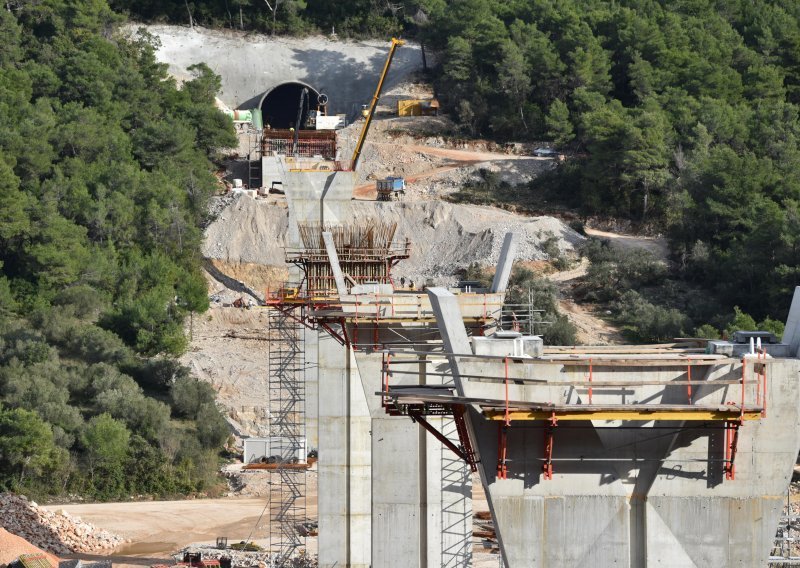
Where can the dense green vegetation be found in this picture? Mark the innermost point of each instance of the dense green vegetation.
(105, 169)
(682, 115)
(351, 18)
(650, 305)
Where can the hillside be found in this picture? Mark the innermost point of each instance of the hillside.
(679, 119)
(105, 171)
(682, 118)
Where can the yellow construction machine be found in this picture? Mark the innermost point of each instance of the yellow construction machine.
(370, 112)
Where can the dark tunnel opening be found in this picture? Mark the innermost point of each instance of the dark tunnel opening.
(279, 106)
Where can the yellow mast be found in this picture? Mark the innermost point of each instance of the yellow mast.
(357, 152)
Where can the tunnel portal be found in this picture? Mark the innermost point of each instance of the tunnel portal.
(279, 105)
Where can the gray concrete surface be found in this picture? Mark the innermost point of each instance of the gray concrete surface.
(388, 496)
(252, 64)
(507, 255)
(791, 335)
(640, 496)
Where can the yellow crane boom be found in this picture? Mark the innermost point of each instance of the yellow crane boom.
(363, 136)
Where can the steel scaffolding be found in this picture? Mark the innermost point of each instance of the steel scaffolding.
(287, 494)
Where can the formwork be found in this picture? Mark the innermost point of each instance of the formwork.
(319, 144)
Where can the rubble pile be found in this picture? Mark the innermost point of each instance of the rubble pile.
(58, 533)
(445, 237)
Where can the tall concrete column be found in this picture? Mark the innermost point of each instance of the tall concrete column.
(344, 491)
(311, 348)
(421, 491)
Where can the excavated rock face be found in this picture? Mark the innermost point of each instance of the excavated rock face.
(58, 533)
(445, 237)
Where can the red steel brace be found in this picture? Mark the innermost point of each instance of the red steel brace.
(502, 462)
(547, 468)
(731, 442)
(502, 436)
(689, 381)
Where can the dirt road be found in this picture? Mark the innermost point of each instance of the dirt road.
(456, 159)
(592, 329)
(656, 245)
(158, 528)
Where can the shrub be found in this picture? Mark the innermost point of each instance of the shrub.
(647, 322)
(188, 395)
(740, 322)
(707, 331)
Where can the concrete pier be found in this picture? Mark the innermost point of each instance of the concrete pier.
(631, 485)
(390, 494)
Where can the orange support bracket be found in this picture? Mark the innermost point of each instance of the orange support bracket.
(547, 468)
(502, 450)
(731, 442)
(463, 436)
(761, 387)
(689, 381)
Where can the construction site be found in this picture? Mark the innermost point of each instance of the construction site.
(393, 415)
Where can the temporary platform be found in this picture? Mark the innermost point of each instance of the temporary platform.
(674, 455)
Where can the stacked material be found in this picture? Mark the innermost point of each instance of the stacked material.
(54, 532)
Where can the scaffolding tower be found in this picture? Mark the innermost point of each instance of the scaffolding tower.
(254, 138)
(287, 493)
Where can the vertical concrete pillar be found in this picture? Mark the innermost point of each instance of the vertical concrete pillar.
(344, 460)
(421, 492)
(311, 347)
(397, 520)
(447, 501)
(503, 272)
(791, 334)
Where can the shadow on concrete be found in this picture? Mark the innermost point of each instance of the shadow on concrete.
(350, 83)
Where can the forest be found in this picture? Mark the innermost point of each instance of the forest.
(105, 169)
(679, 116)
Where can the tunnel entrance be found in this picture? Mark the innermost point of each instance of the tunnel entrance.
(279, 106)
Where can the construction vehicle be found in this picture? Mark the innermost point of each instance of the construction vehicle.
(418, 107)
(371, 110)
(389, 187)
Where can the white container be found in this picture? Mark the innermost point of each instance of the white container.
(237, 183)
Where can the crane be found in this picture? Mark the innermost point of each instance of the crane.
(368, 120)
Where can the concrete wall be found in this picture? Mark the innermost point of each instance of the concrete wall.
(385, 485)
(421, 492)
(344, 492)
(632, 493)
(643, 496)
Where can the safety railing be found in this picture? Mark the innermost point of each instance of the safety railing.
(730, 412)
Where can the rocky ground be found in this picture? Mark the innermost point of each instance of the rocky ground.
(445, 237)
(53, 531)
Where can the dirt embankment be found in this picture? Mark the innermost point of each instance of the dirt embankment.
(445, 237)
